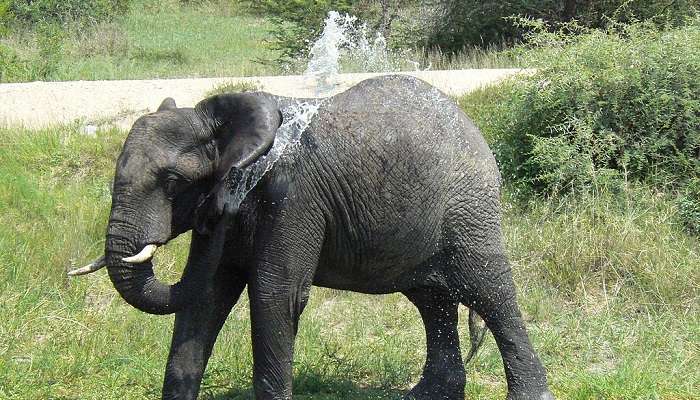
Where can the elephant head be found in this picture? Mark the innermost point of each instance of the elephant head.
(169, 179)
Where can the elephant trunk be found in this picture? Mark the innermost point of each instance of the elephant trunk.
(136, 282)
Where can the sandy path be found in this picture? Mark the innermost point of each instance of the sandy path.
(96, 103)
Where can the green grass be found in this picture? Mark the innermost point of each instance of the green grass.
(609, 287)
(154, 40)
(233, 87)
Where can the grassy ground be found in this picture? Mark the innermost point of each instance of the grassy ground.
(154, 40)
(165, 39)
(609, 288)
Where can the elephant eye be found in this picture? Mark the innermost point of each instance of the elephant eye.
(171, 187)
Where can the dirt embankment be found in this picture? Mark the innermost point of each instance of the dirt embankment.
(100, 103)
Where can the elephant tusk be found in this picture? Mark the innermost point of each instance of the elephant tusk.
(90, 268)
(144, 255)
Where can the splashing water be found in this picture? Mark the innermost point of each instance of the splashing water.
(346, 40)
(324, 62)
(296, 119)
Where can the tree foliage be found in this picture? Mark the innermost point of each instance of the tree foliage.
(34, 12)
(452, 25)
(458, 23)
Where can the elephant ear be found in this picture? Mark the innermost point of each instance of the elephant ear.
(243, 128)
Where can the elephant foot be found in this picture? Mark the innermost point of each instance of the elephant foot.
(539, 394)
(445, 386)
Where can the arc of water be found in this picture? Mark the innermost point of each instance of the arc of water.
(295, 121)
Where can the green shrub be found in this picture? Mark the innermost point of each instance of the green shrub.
(297, 22)
(5, 17)
(689, 206)
(50, 39)
(604, 106)
(452, 25)
(12, 67)
(233, 87)
(33, 12)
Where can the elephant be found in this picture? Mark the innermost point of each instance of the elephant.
(389, 187)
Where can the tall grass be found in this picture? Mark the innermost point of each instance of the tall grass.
(613, 246)
(163, 39)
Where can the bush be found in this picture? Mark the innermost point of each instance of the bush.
(50, 38)
(296, 23)
(12, 67)
(618, 103)
(451, 25)
(689, 206)
(5, 17)
(34, 12)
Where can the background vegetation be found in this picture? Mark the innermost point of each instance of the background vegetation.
(152, 39)
(455, 26)
(35, 12)
(460, 23)
(122, 39)
(608, 123)
(600, 156)
(606, 107)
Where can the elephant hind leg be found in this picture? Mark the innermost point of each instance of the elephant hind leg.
(479, 272)
(492, 295)
(443, 375)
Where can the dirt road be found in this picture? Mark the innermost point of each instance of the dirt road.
(100, 103)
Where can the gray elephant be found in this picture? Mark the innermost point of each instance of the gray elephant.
(390, 188)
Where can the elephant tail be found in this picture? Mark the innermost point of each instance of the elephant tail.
(477, 333)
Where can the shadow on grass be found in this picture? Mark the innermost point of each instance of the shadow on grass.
(312, 386)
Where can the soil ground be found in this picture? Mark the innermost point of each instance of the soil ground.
(104, 103)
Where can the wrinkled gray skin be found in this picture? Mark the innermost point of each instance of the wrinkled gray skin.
(391, 189)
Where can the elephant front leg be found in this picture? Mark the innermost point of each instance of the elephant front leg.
(194, 335)
(276, 303)
(197, 326)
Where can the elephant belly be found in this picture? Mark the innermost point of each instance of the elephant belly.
(385, 263)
